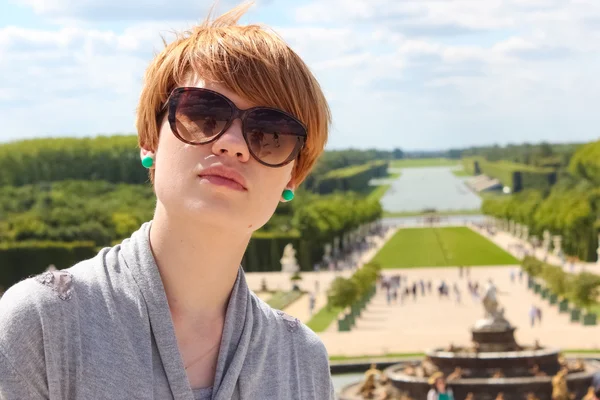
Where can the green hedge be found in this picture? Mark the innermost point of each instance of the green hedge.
(471, 165)
(265, 250)
(519, 176)
(355, 178)
(23, 259)
(582, 289)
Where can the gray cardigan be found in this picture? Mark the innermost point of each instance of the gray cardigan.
(102, 330)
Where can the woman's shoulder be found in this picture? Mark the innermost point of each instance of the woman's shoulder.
(288, 329)
(293, 347)
(51, 297)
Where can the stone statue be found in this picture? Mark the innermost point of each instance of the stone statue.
(546, 244)
(579, 366)
(557, 241)
(494, 315)
(288, 260)
(490, 301)
(373, 371)
(455, 375)
(590, 395)
(289, 264)
(375, 386)
(560, 390)
(367, 389)
(598, 250)
(525, 233)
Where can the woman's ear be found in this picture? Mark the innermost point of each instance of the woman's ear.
(288, 192)
(147, 158)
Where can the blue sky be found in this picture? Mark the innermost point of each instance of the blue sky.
(415, 74)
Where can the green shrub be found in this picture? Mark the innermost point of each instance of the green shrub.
(354, 178)
(281, 300)
(585, 289)
(342, 293)
(24, 259)
(532, 266)
(557, 280)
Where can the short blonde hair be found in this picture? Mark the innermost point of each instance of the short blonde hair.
(253, 62)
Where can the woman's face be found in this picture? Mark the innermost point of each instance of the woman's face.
(440, 384)
(184, 192)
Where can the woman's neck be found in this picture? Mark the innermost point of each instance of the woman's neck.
(198, 264)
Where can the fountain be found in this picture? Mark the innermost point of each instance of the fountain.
(494, 366)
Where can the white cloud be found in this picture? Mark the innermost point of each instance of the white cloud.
(135, 10)
(414, 74)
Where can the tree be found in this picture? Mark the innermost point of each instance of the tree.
(342, 293)
(585, 289)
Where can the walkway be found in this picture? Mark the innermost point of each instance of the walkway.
(430, 322)
(310, 281)
(512, 244)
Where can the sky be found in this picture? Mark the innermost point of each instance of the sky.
(413, 74)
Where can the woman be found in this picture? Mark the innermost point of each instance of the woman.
(439, 390)
(167, 314)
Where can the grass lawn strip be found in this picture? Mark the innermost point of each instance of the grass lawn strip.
(323, 318)
(280, 300)
(461, 173)
(440, 247)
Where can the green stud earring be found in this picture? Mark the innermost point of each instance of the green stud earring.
(148, 161)
(288, 195)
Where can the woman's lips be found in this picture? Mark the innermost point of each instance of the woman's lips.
(221, 181)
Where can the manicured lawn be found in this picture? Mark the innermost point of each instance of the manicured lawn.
(440, 247)
(322, 319)
(423, 162)
(280, 300)
(377, 192)
(461, 172)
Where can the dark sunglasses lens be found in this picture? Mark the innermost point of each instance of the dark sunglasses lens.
(201, 115)
(273, 136)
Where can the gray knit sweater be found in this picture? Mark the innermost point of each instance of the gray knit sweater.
(102, 330)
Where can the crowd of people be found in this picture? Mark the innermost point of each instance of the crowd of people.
(398, 289)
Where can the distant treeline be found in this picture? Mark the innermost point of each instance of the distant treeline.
(115, 159)
(538, 155)
(61, 200)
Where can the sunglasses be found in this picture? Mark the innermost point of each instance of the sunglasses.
(200, 116)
